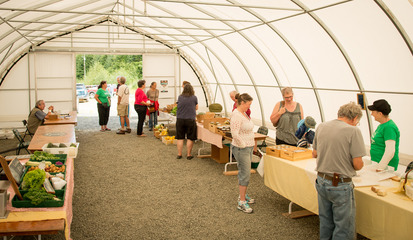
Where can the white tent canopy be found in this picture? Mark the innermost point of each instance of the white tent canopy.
(327, 51)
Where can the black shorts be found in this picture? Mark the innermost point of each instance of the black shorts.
(186, 127)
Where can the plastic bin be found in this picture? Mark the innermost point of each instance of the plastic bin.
(70, 151)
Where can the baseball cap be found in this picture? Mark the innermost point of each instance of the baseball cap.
(381, 106)
(309, 122)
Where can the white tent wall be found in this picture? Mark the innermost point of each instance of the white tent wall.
(173, 69)
(38, 76)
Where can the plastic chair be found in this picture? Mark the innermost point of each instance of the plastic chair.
(22, 143)
(264, 131)
(27, 132)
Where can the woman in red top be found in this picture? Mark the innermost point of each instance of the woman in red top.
(141, 103)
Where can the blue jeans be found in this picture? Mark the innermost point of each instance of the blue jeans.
(336, 210)
(243, 157)
(153, 119)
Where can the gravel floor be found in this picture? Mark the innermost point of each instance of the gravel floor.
(130, 187)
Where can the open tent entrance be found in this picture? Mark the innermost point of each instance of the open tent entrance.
(92, 69)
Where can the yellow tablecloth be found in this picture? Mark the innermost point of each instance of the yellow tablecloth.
(389, 217)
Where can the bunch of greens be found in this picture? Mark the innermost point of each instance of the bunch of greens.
(173, 111)
(34, 179)
(37, 196)
(40, 155)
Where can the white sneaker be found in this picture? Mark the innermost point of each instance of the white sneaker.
(247, 198)
(243, 206)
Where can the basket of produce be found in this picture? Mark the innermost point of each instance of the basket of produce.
(37, 191)
(70, 149)
(39, 156)
(167, 140)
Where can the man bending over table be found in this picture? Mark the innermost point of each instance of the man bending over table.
(338, 147)
(37, 116)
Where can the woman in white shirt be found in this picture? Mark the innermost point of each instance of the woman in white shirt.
(242, 146)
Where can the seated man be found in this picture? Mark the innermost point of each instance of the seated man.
(37, 116)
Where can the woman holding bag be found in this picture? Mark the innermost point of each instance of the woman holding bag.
(102, 96)
(153, 95)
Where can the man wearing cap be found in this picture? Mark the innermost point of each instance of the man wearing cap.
(385, 140)
(339, 148)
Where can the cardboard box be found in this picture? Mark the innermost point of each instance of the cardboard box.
(275, 150)
(208, 115)
(218, 120)
(296, 153)
(53, 117)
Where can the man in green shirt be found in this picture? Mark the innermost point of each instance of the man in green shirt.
(385, 140)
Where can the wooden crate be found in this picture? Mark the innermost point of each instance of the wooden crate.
(296, 153)
(275, 150)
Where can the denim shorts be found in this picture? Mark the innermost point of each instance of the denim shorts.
(243, 157)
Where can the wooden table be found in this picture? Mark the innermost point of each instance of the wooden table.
(71, 119)
(64, 133)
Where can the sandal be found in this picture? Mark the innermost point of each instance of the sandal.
(102, 130)
(178, 157)
(107, 129)
(189, 157)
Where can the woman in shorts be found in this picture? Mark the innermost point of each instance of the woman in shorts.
(186, 120)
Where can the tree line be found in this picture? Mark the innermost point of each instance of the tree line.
(92, 69)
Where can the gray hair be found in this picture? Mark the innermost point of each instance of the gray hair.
(350, 111)
(122, 80)
(286, 90)
(39, 102)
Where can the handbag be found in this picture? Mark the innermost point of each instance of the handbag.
(151, 108)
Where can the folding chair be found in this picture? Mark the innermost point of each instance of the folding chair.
(22, 143)
(27, 132)
(264, 131)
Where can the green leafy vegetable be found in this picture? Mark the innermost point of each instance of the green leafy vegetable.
(37, 196)
(40, 155)
(173, 112)
(34, 179)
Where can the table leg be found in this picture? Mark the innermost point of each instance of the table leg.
(297, 214)
(199, 151)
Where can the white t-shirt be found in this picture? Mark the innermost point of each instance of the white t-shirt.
(123, 92)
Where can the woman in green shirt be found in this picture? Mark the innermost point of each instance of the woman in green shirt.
(385, 140)
(102, 96)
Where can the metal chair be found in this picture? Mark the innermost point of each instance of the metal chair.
(22, 143)
(264, 131)
(27, 132)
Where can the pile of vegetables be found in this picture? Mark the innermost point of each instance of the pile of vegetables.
(173, 111)
(40, 156)
(61, 145)
(33, 181)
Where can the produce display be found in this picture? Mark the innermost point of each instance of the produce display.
(61, 145)
(173, 111)
(36, 189)
(169, 138)
(52, 168)
(40, 155)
